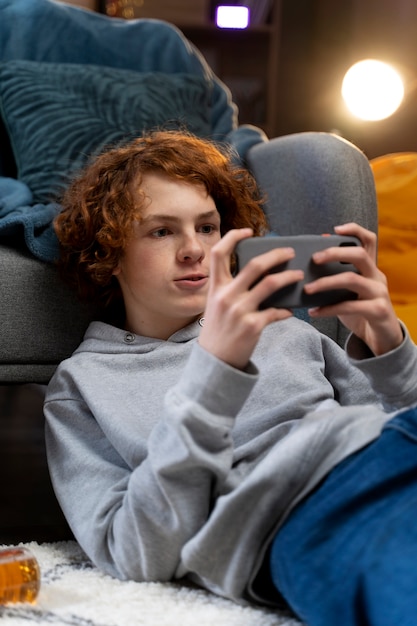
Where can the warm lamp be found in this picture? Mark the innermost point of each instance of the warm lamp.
(372, 90)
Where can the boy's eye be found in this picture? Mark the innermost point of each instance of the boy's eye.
(161, 232)
(207, 229)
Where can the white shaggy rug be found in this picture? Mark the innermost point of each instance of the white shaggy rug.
(75, 593)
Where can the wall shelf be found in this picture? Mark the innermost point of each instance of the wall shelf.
(247, 62)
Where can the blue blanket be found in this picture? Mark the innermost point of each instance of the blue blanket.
(47, 31)
(17, 214)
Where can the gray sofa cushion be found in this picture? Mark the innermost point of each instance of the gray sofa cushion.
(41, 321)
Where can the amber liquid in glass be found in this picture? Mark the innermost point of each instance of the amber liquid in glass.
(20, 578)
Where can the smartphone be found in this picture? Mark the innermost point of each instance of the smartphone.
(293, 296)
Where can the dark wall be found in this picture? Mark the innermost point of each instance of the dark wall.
(320, 40)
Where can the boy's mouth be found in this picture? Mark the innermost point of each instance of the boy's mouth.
(192, 277)
(192, 280)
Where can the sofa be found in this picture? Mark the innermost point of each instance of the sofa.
(73, 81)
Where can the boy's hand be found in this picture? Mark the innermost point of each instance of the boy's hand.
(233, 322)
(371, 317)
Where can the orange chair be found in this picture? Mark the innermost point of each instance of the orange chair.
(396, 189)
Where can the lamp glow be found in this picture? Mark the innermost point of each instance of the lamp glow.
(372, 90)
(232, 16)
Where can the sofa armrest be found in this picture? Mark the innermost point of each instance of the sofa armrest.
(314, 181)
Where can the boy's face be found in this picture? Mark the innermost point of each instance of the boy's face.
(164, 271)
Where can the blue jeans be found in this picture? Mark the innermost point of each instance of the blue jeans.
(347, 555)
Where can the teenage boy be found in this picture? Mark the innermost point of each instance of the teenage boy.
(194, 435)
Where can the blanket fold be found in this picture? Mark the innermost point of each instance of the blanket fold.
(17, 214)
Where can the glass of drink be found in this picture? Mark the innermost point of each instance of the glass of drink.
(20, 578)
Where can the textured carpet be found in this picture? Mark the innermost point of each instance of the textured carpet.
(75, 593)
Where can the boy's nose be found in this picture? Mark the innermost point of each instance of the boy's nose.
(191, 249)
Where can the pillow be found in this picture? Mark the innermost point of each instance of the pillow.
(58, 115)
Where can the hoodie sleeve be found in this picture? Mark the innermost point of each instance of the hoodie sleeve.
(133, 523)
(359, 377)
(393, 375)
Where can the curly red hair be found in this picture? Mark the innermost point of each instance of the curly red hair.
(100, 205)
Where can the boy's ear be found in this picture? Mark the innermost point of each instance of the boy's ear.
(116, 270)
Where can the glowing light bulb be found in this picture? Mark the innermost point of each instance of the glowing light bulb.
(372, 90)
(232, 16)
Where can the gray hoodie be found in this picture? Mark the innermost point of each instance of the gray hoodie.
(169, 463)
